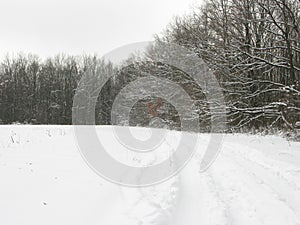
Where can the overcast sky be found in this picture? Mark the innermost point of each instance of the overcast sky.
(48, 27)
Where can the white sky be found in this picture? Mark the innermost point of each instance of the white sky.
(48, 27)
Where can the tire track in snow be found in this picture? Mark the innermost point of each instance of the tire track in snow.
(251, 201)
(198, 202)
(285, 170)
(283, 190)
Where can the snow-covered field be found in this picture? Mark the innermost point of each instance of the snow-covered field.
(44, 181)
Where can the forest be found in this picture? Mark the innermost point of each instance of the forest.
(252, 47)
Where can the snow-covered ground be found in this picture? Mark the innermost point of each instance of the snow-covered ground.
(44, 180)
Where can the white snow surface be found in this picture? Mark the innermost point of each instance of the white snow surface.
(44, 181)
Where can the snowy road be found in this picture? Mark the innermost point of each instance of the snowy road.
(43, 180)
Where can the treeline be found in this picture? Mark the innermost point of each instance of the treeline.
(252, 46)
(40, 92)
